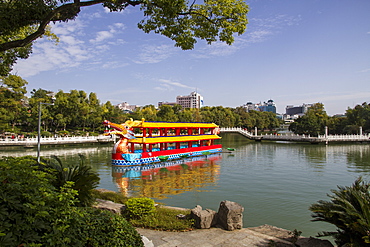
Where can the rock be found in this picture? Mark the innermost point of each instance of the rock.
(116, 208)
(274, 231)
(147, 242)
(230, 215)
(313, 242)
(204, 219)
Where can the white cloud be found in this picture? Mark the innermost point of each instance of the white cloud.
(258, 30)
(154, 54)
(104, 35)
(364, 71)
(168, 85)
(72, 49)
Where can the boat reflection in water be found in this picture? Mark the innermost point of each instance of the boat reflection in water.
(163, 179)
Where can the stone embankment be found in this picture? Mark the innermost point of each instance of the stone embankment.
(223, 228)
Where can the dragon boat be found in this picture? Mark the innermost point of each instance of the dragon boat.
(143, 142)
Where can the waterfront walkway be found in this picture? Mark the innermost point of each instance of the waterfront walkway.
(29, 142)
(299, 138)
(262, 236)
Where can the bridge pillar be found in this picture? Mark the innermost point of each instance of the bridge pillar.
(360, 130)
(255, 131)
(326, 131)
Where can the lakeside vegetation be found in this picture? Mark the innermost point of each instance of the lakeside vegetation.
(79, 113)
(49, 204)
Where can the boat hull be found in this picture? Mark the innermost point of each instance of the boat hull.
(174, 154)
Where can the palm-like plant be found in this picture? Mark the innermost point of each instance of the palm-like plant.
(84, 178)
(349, 211)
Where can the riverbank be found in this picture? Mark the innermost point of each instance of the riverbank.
(265, 235)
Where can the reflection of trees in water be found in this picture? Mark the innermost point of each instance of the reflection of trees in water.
(359, 158)
(160, 182)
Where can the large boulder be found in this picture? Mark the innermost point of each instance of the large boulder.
(204, 219)
(113, 207)
(230, 215)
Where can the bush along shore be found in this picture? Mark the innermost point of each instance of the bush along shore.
(59, 206)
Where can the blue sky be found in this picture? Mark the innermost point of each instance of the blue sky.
(293, 51)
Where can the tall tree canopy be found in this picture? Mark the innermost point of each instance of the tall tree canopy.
(24, 21)
(313, 122)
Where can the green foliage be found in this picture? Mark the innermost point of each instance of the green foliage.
(110, 196)
(93, 227)
(28, 202)
(209, 21)
(34, 213)
(84, 179)
(12, 94)
(312, 123)
(349, 211)
(165, 219)
(139, 207)
(22, 22)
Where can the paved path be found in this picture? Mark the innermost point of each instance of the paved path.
(214, 237)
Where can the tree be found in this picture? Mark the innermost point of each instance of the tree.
(22, 22)
(47, 116)
(313, 122)
(166, 114)
(12, 97)
(359, 116)
(149, 113)
(10, 56)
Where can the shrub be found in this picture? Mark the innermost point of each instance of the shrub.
(84, 178)
(139, 207)
(349, 211)
(28, 201)
(94, 228)
(34, 213)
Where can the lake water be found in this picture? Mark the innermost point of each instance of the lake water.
(275, 182)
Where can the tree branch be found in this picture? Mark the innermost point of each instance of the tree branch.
(52, 17)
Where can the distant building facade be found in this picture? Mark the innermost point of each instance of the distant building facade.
(297, 110)
(268, 106)
(194, 100)
(166, 103)
(124, 106)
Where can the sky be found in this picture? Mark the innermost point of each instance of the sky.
(293, 52)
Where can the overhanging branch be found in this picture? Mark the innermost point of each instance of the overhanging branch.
(52, 17)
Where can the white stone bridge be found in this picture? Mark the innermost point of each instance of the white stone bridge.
(299, 138)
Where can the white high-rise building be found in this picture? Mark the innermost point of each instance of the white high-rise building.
(194, 100)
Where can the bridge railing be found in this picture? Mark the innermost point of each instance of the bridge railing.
(291, 136)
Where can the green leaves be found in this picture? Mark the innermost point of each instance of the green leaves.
(185, 23)
(35, 213)
(139, 207)
(22, 22)
(349, 211)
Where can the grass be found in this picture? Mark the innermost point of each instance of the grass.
(163, 219)
(110, 196)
